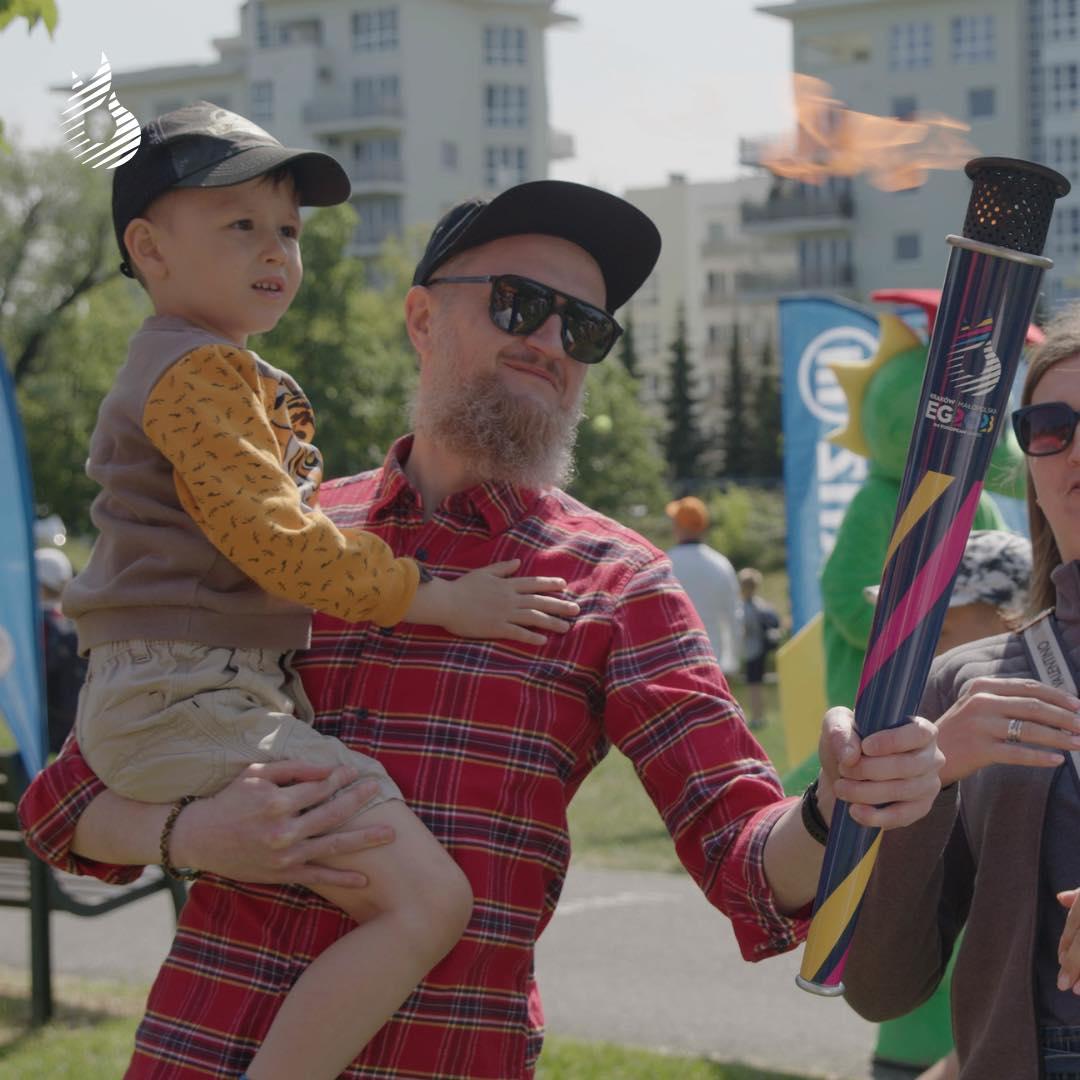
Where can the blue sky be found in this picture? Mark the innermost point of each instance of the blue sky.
(644, 95)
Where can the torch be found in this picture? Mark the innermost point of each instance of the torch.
(987, 301)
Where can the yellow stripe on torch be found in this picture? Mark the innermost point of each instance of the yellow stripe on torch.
(833, 916)
(931, 487)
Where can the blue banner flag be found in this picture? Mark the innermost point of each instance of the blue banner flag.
(22, 684)
(819, 478)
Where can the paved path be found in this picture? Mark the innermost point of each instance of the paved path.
(633, 958)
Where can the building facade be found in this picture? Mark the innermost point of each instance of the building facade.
(1010, 69)
(424, 102)
(719, 276)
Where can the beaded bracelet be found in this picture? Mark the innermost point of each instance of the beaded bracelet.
(179, 874)
(812, 820)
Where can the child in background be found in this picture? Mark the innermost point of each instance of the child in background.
(212, 554)
(761, 634)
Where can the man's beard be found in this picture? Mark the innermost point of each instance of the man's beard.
(503, 437)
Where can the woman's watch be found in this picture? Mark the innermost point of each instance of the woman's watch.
(812, 820)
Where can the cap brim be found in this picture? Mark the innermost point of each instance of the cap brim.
(623, 241)
(321, 181)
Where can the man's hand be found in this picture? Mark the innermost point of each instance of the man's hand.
(273, 824)
(889, 779)
(1069, 946)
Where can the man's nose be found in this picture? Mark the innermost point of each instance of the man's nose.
(547, 337)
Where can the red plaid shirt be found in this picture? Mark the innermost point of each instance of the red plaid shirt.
(489, 741)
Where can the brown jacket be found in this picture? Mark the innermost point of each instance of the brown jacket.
(972, 863)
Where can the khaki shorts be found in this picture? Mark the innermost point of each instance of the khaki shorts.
(161, 719)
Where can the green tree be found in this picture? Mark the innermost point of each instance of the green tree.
(344, 341)
(628, 350)
(683, 441)
(56, 247)
(738, 452)
(619, 471)
(767, 419)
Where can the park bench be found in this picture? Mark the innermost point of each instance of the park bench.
(27, 882)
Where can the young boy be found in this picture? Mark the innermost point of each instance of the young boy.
(212, 554)
(761, 634)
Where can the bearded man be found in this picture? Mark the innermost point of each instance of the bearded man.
(511, 302)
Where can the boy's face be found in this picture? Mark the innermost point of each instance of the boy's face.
(229, 257)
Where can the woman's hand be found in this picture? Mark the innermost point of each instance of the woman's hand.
(976, 730)
(273, 824)
(888, 779)
(1069, 946)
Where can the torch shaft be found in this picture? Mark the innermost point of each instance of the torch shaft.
(987, 302)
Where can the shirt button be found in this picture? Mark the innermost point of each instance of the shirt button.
(421, 553)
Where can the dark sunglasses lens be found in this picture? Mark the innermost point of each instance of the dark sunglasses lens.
(588, 333)
(1045, 429)
(518, 306)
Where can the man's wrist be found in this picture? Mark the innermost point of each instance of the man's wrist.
(182, 840)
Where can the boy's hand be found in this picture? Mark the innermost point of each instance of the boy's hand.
(1069, 946)
(489, 603)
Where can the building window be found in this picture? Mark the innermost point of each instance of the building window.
(1062, 23)
(262, 102)
(981, 103)
(1063, 88)
(907, 246)
(380, 218)
(504, 166)
(375, 31)
(504, 45)
(905, 107)
(1064, 155)
(262, 25)
(1067, 232)
(376, 159)
(376, 95)
(911, 45)
(972, 39)
(506, 106)
(448, 155)
(715, 283)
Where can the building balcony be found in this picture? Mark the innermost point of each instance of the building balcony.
(330, 116)
(841, 276)
(367, 240)
(800, 212)
(717, 298)
(375, 176)
(753, 286)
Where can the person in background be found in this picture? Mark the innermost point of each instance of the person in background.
(65, 669)
(760, 635)
(708, 578)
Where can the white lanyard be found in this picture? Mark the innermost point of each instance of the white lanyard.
(1050, 662)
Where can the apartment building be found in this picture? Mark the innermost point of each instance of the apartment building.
(720, 276)
(1010, 69)
(423, 101)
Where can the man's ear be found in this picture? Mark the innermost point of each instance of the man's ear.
(141, 241)
(418, 319)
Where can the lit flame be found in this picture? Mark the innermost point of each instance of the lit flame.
(833, 140)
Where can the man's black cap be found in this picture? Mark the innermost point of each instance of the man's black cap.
(624, 242)
(203, 146)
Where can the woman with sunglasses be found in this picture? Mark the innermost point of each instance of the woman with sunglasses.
(998, 855)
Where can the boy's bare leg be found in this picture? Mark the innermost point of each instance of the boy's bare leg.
(412, 913)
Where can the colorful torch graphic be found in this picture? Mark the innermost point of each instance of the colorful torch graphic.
(987, 301)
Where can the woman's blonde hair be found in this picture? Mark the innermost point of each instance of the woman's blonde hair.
(1062, 342)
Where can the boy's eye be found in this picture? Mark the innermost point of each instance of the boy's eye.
(242, 223)
(291, 231)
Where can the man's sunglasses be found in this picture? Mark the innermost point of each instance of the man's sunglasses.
(521, 306)
(1045, 429)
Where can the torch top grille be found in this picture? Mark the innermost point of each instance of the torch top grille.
(1011, 203)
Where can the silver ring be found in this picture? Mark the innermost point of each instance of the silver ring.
(1015, 727)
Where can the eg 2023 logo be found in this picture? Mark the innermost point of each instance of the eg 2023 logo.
(87, 101)
(973, 370)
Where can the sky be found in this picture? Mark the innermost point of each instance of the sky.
(670, 91)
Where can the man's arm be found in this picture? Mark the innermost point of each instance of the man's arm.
(670, 711)
(255, 829)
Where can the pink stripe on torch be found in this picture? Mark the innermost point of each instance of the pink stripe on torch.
(930, 582)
